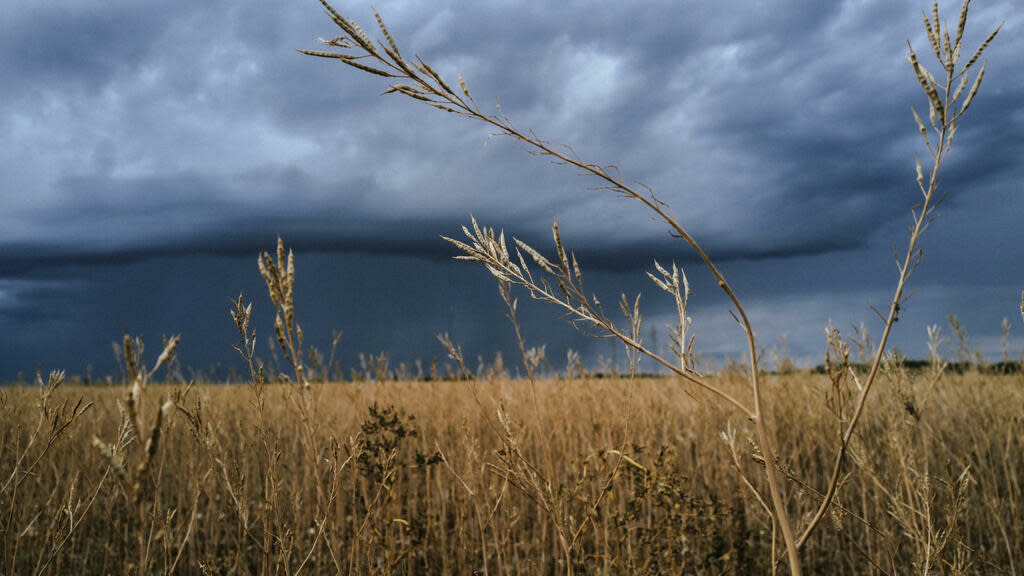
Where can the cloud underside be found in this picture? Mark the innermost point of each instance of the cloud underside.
(141, 133)
(200, 128)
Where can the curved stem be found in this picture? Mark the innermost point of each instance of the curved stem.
(758, 416)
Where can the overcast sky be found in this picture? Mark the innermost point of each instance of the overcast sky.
(153, 149)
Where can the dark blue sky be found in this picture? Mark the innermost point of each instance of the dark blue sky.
(153, 150)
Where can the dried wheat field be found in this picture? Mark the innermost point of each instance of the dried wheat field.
(422, 477)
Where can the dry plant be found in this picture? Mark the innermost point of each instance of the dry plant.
(327, 462)
(948, 99)
(675, 505)
(340, 514)
(269, 447)
(53, 423)
(132, 458)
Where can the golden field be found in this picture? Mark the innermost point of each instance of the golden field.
(501, 476)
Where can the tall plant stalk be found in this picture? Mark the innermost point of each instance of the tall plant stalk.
(944, 120)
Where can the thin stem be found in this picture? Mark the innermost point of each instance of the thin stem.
(758, 416)
(909, 261)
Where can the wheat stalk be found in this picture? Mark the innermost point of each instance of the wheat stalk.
(941, 97)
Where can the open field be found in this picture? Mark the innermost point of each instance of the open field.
(732, 471)
(449, 477)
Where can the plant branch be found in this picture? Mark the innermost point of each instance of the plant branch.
(923, 215)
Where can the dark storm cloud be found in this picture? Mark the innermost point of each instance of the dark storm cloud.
(53, 47)
(192, 135)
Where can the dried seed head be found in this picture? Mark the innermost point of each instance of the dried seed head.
(541, 261)
(359, 36)
(981, 49)
(928, 85)
(270, 276)
(130, 361)
(947, 59)
(114, 460)
(169, 348)
(355, 64)
(920, 125)
(558, 245)
(961, 24)
(437, 77)
(974, 89)
(289, 282)
(323, 53)
(933, 32)
(279, 331)
(387, 35)
(960, 87)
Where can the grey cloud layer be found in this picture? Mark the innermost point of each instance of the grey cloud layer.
(141, 131)
(748, 122)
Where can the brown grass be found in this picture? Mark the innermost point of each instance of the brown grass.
(428, 492)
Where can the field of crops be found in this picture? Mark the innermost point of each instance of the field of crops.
(501, 476)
